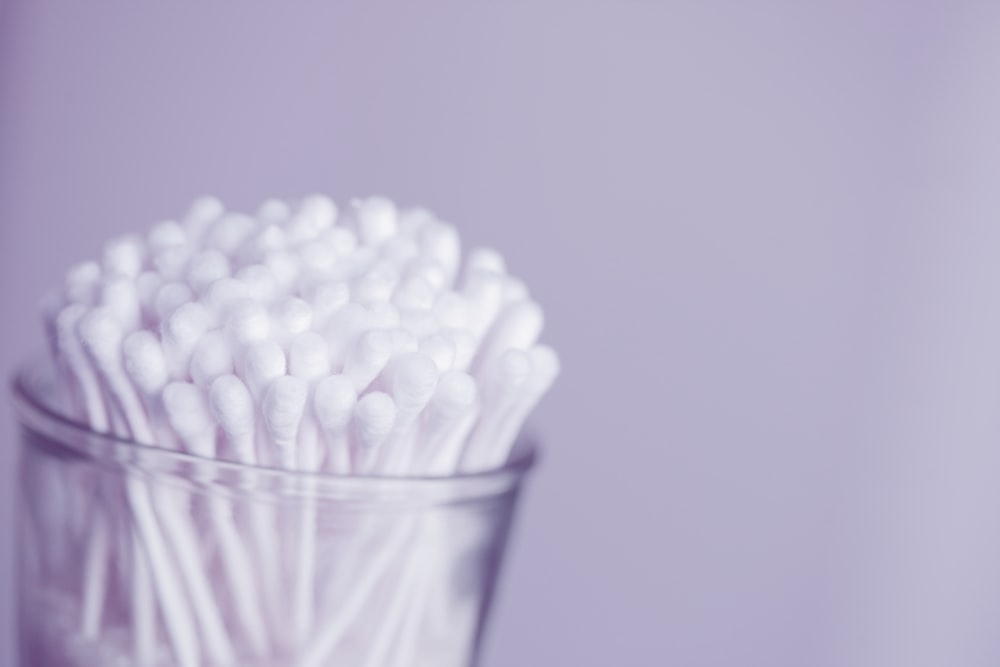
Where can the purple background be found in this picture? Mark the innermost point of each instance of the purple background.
(766, 235)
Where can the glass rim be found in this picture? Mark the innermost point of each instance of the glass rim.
(35, 414)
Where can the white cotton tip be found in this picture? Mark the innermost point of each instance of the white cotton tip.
(284, 266)
(290, 316)
(518, 327)
(326, 298)
(342, 329)
(205, 208)
(171, 296)
(260, 282)
(343, 240)
(415, 377)
(308, 356)
(377, 285)
(430, 270)
(282, 409)
(465, 347)
(413, 220)
(147, 284)
(229, 233)
(420, 323)
(171, 262)
(222, 294)
(273, 211)
(451, 311)
(515, 290)
(165, 235)
(455, 394)
(415, 293)
(377, 219)
(440, 347)
(483, 292)
(317, 256)
(124, 256)
(545, 368)
(212, 358)
(439, 241)
(334, 402)
(507, 376)
(260, 363)
(368, 357)
(270, 238)
(485, 259)
(120, 295)
(202, 213)
(83, 283)
(400, 251)
(188, 414)
(145, 362)
(181, 332)
(101, 335)
(374, 418)
(313, 214)
(233, 408)
(403, 342)
(383, 315)
(206, 268)
(248, 322)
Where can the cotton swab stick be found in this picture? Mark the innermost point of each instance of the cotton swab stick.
(145, 364)
(233, 407)
(181, 333)
(503, 381)
(283, 406)
(309, 360)
(374, 417)
(544, 370)
(334, 402)
(83, 373)
(414, 379)
(483, 292)
(449, 415)
(188, 413)
(102, 338)
(370, 355)
(229, 403)
(518, 327)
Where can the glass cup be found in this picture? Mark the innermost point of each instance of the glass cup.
(136, 555)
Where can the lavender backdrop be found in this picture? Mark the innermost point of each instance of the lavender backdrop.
(766, 234)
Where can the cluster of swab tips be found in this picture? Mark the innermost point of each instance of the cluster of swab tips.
(304, 337)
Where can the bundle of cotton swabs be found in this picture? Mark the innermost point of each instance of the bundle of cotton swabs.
(303, 337)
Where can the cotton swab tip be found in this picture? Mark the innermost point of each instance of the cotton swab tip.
(282, 408)
(145, 363)
(232, 405)
(334, 402)
(374, 417)
(309, 356)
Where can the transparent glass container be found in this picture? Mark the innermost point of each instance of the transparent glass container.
(136, 555)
